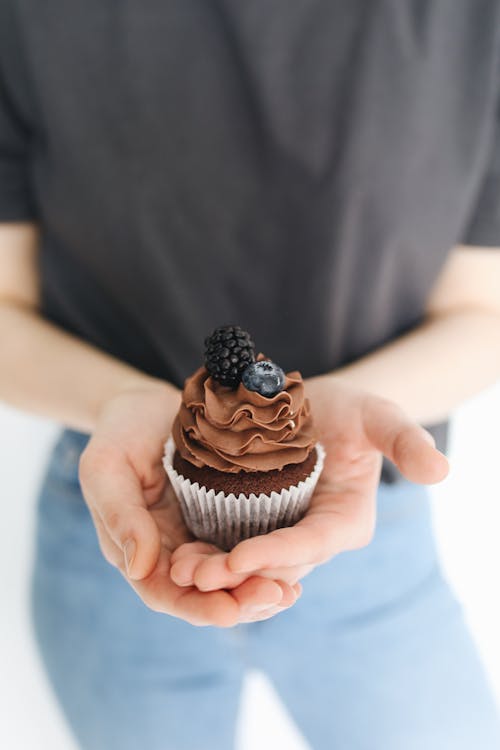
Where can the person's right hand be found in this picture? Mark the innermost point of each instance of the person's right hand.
(138, 520)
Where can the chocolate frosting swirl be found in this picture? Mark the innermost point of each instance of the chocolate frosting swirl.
(240, 430)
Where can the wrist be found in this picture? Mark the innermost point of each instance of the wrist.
(142, 383)
(137, 385)
(354, 377)
(336, 379)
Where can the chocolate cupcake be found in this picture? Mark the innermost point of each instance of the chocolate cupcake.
(243, 457)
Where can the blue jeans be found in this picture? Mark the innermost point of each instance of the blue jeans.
(375, 655)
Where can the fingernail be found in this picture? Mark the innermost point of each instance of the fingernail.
(129, 549)
(428, 438)
(257, 609)
(178, 578)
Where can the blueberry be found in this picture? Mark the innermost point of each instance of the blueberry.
(264, 377)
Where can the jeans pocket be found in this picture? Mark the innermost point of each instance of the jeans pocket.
(65, 458)
(62, 513)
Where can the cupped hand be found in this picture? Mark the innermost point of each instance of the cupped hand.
(137, 517)
(357, 429)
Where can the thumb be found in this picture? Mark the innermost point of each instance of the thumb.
(116, 496)
(404, 442)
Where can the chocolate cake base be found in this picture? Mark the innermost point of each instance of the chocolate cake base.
(246, 482)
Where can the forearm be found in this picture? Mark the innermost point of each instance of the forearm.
(435, 367)
(49, 372)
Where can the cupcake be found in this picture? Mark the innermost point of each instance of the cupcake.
(243, 457)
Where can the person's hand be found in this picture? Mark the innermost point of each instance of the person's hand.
(356, 429)
(138, 520)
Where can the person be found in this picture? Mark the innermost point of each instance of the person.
(327, 176)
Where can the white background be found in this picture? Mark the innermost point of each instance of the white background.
(467, 517)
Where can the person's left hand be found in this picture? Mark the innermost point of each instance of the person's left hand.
(357, 429)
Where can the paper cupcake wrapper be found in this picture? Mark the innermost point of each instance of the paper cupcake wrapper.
(225, 520)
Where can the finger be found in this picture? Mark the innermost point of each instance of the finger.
(342, 522)
(189, 548)
(183, 571)
(289, 596)
(404, 442)
(135, 532)
(111, 553)
(265, 614)
(154, 485)
(255, 595)
(211, 572)
(159, 593)
(291, 574)
(256, 614)
(187, 558)
(217, 608)
(116, 497)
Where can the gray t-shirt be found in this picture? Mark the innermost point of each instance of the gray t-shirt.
(299, 167)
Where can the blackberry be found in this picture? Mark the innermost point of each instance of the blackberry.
(228, 351)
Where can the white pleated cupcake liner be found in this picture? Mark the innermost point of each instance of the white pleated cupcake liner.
(225, 520)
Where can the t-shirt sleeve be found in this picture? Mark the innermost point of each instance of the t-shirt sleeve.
(16, 199)
(483, 226)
